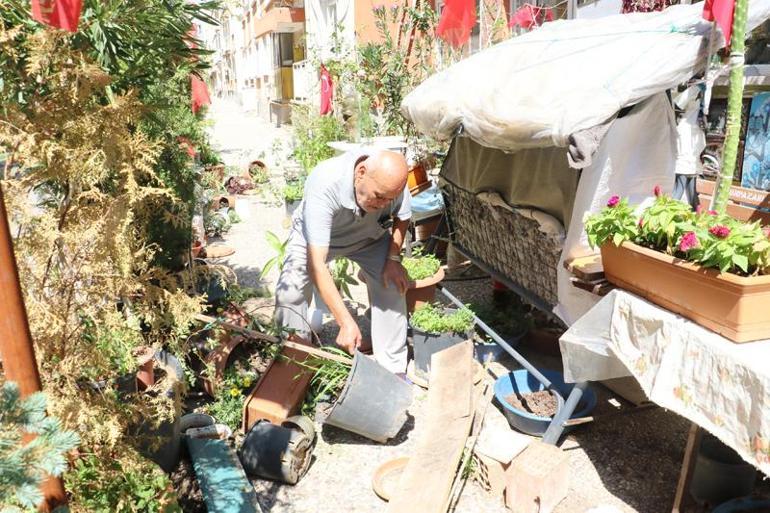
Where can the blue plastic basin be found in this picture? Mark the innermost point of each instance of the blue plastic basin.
(522, 382)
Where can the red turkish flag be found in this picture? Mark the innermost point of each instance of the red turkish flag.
(525, 17)
(327, 91)
(457, 21)
(200, 93)
(722, 12)
(63, 14)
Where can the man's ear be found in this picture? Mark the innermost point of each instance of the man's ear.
(361, 169)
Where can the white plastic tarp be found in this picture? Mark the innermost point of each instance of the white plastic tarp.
(637, 153)
(536, 89)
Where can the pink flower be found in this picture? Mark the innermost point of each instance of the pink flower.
(656, 191)
(689, 241)
(713, 213)
(699, 209)
(641, 222)
(719, 230)
(613, 201)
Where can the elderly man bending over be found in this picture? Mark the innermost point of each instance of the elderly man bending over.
(356, 206)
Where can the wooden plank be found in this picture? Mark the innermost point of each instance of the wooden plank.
(599, 287)
(688, 465)
(427, 479)
(738, 194)
(587, 268)
(741, 212)
(538, 479)
(320, 353)
(483, 397)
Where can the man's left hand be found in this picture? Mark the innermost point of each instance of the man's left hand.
(394, 273)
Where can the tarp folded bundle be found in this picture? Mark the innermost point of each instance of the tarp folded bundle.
(537, 89)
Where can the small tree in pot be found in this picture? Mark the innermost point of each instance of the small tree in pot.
(435, 328)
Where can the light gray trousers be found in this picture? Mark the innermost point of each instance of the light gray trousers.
(294, 291)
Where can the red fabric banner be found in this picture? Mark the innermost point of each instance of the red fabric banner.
(327, 91)
(199, 92)
(63, 14)
(722, 12)
(528, 16)
(457, 21)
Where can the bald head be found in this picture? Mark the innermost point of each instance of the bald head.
(379, 179)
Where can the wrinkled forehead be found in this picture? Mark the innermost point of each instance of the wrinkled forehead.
(384, 186)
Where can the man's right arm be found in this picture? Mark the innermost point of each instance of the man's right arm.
(349, 337)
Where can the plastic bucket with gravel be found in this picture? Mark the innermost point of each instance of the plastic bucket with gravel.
(529, 407)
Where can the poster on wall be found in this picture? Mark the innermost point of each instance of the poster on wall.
(756, 156)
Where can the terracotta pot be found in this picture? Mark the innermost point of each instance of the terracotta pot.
(417, 179)
(218, 202)
(218, 171)
(422, 291)
(733, 306)
(197, 248)
(280, 391)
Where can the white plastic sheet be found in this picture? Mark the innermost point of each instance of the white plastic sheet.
(536, 89)
(638, 153)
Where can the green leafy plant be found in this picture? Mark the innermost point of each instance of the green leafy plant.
(227, 408)
(419, 267)
(293, 191)
(617, 223)
(233, 216)
(670, 226)
(432, 318)
(216, 223)
(112, 485)
(511, 319)
(23, 466)
(329, 377)
(312, 133)
(342, 270)
(280, 249)
(259, 174)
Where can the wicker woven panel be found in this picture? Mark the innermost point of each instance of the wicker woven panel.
(507, 242)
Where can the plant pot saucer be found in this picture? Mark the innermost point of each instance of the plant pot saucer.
(218, 251)
(385, 479)
(429, 281)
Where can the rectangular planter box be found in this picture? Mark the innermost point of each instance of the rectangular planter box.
(280, 391)
(734, 306)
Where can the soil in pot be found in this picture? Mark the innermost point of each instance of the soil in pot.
(542, 403)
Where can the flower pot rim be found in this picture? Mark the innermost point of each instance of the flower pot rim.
(728, 277)
(429, 281)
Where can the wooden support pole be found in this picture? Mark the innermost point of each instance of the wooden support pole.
(16, 349)
(320, 353)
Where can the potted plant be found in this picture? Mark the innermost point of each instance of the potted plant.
(258, 172)
(424, 272)
(703, 265)
(292, 195)
(434, 328)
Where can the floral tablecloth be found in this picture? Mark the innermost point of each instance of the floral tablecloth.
(721, 386)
